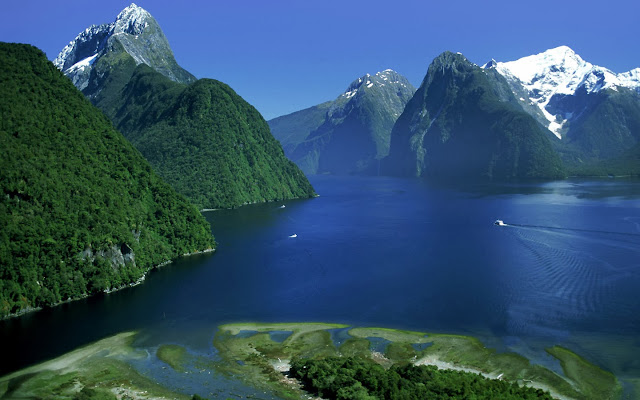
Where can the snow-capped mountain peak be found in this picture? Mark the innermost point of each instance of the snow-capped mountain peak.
(132, 20)
(134, 32)
(380, 79)
(560, 71)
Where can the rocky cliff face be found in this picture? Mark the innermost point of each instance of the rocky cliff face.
(350, 134)
(464, 123)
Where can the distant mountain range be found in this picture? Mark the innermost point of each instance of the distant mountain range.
(350, 134)
(544, 116)
(200, 136)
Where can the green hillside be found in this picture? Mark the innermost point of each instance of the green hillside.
(204, 140)
(81, 210)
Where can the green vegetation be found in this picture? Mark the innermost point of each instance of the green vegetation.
(81, 210)
(249, 351)
(351, 378)
(460, 125)
(173, 355)
(92, 372)
(203, 139)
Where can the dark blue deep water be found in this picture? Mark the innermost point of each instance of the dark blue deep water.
(395, 253)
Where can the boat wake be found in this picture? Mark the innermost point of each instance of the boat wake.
(560, 229)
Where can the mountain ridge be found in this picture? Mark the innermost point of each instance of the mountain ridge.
(136, 32)
(463, 123)
(592, 110)
(349, 134)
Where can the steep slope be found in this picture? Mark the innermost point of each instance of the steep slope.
(463, 123)
(95, 53)
(206, 141)
(81, 210)
(350, 134)
(200, 136)
(593, 110)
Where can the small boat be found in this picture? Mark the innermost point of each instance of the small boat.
(293, 236)
(282, 206)
(499, 222)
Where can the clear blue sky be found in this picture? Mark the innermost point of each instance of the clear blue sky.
(283, 56)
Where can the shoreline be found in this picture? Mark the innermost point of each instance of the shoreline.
(139, 281)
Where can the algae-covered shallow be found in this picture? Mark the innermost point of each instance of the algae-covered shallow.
(98, 371)
(252, 359)
(263, 362)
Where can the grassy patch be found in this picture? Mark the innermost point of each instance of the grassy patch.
(173, 355)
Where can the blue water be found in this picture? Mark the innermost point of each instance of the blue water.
(393, 253)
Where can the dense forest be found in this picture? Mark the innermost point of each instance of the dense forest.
(81, 210)
(203, 139)
(349, 378)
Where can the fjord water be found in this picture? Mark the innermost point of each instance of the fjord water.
(396, 253)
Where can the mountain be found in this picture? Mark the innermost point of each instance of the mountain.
(206, 141)
(464, 123)
(350, 134)
(201, 137)
(90, 58)
(593, 110)
(81, 210)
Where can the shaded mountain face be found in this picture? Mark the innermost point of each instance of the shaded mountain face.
(464, 123)
(90, 58)
(350, 134)
(593, 110)
(201, 137)
(81, 210)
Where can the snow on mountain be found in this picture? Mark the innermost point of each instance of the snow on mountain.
(76, 59)
(380, 79)
(560, 71)
(134, 32)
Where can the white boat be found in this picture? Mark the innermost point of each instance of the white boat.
(293, 236)
(282, 206)
(499, 222)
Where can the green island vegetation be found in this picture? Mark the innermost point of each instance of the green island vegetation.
(203, 139)
(371, 363)
(352, 378)
(81, 210)
(98, 371)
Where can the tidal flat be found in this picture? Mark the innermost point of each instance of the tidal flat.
(100, 370)
(259, 356)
